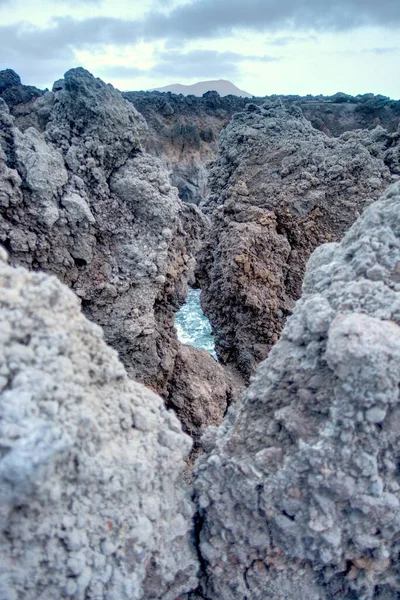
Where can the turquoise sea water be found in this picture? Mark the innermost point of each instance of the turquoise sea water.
(192, 325)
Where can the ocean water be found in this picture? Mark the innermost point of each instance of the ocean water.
(192, 325)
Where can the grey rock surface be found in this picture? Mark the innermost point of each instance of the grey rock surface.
(278, 189)
(184, 130)
(92, 501)
(84, 202)
(300, 490)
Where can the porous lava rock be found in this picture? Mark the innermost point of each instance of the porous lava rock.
(300, 490)
(84, 202)
(21, 99)
(92, 501)
(183, 133)
(200, 390)
(184, 130)
(278, 190)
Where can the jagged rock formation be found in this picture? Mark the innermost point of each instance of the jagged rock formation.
(19, 98)
(184, 133)
(300, 492)
(200, 391)
(339, 113)
(279, 189)
(82, 201)
(92, 501)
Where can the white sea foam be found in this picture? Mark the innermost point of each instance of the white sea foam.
(192, 325)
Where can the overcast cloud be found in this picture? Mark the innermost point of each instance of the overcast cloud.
(207, 18)
(297, 45)
(207, 64)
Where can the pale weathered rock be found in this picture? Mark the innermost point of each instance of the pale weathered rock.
(83, 202)
(92, 502)
(300, 491)
(279, 189)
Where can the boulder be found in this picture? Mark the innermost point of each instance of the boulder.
(200, 391)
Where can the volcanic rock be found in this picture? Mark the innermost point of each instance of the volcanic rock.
(183, 133)
(300, 491)
(19, 98)
(200, 391)
(92, 501)
(278, 190)
(84, 202)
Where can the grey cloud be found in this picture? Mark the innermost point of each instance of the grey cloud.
(282, 41)
(196, 63)
(388, 50)
(208, 18)
(383, 50)
(288, 39)
(66, 32)
(199, 18)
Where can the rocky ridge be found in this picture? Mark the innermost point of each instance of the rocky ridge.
(300, 489)
(184, 130)
(92, 500)
(84, 202)
(278, 190)
(19, 98)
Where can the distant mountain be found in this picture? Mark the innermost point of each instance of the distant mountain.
(222, 86)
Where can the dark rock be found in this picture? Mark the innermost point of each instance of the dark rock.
(19, 98)
(278, 190)
(83, 202)
(9, 78)
(200, 391)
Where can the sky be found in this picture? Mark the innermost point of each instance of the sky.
(263, 46)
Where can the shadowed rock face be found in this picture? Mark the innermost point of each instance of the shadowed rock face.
(92, 502)
(200, 391)
(300, 490)
(20, 98)
(183, 132)
(83, 202)
(278, 190)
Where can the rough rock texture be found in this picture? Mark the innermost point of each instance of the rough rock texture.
(83, 202)
(92, 503)
(200, 390)
(20, 98)
(300, 492)
(279, 189)
(334, 116)
(184, 131)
